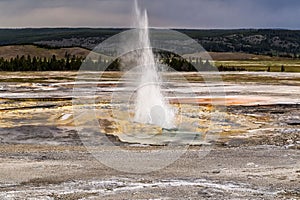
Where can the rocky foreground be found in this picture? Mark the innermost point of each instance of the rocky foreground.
(48, 162)
(256, 156)
(69, 172)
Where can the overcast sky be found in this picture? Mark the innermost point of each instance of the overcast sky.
(162, 13)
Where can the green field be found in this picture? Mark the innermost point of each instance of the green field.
(236, 60)
(275, 66)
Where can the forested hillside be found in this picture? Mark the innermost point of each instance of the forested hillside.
(273, 42)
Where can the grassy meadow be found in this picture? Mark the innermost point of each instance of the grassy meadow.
(263, 65)
(245, 61)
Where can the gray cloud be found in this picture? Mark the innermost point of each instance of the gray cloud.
(229, 13)
(162, 13)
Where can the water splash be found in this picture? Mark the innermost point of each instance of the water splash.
(150, 106)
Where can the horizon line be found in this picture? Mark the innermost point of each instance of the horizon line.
(172, 28)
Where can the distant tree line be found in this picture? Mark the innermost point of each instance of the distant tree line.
(28, 63)
(68, 63)
(74, 63)
(192, 63)
(222, 68)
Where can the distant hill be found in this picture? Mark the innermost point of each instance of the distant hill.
(86, 38)
(273, 42)
(11, 51)
(252, 41)
(34, 58)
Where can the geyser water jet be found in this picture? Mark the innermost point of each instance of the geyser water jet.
(151, 106)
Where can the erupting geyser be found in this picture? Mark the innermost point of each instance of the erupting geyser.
(150, 106)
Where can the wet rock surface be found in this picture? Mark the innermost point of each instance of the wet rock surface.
(282, 128)
(50, 162)
(43, 153)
